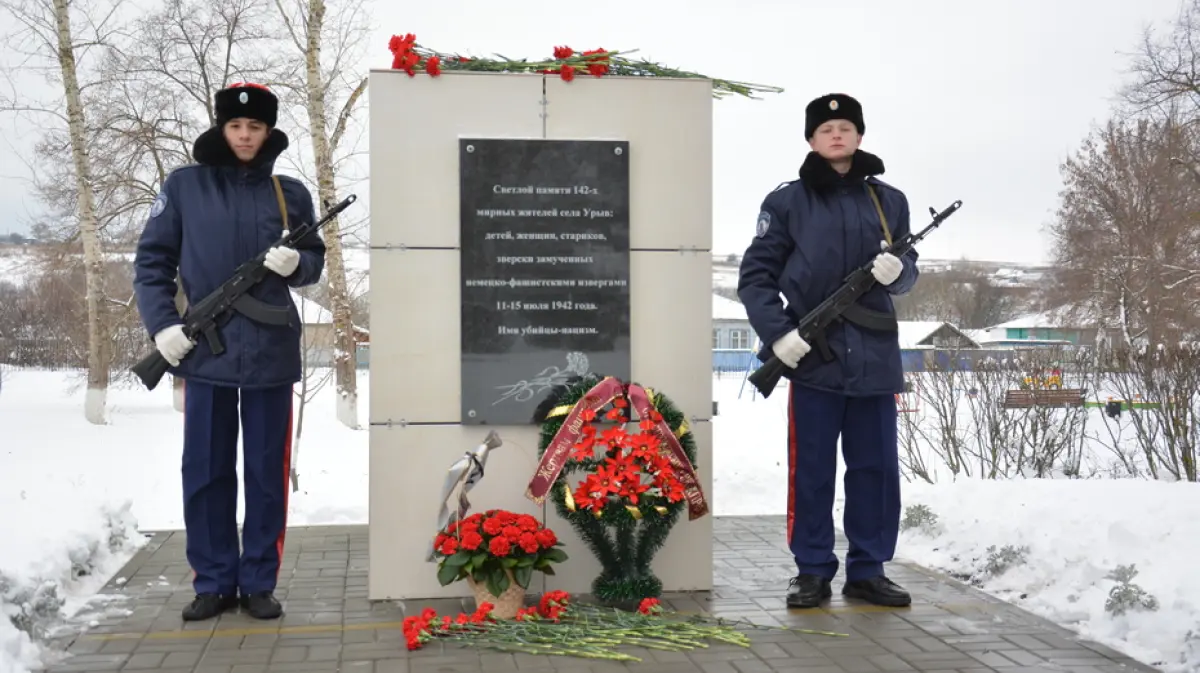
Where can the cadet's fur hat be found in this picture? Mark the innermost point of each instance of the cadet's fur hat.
(833, 106)
(247, 99)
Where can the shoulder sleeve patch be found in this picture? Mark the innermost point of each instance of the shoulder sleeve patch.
(764, 223)
(159, 205)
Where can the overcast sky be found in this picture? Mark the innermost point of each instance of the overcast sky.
(963, 100)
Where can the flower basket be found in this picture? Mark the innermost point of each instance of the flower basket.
(504, 606)
(497, 552)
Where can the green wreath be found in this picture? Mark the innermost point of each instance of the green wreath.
(638, 531)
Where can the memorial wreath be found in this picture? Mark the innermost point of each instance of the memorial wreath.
(410, 57)
(634, 483)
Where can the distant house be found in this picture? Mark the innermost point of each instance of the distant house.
(733, 340)
(929, 344)
(318, 333)
(1051, 328)
(922, 334)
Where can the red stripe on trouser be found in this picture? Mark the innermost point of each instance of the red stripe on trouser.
(287, 476)
(791, 502)
(183, 388)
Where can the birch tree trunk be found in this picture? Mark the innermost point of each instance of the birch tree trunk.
(89, 230)
(345, 345)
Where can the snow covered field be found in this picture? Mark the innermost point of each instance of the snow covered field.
(81, 491)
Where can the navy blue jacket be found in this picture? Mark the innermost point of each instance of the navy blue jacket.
(811, 234)
(207, 220)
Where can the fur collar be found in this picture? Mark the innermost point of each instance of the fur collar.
(211, 149)
(817, 173)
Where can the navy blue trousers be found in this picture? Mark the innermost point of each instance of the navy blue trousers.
(867, 426)
(210, 485)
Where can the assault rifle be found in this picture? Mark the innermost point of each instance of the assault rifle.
(217, 308)
(812, 326)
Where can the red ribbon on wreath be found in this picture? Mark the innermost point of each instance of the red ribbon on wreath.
(684, 472)
(602, 394)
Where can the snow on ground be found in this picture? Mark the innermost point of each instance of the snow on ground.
(1051, 546)
(82, 492)
(1047, 545)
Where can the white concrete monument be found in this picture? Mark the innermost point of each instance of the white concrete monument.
(524, 228)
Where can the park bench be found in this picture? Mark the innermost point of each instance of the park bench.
(1024, 399)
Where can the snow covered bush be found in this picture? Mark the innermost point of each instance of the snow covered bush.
(37, 585)
(999, 561)
(1156, 439)
(920, 517)
(1126, 595)
(962, 428)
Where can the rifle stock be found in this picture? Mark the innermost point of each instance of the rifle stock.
(766, 377)
(207, 315)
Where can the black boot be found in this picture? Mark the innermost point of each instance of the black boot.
(207, 606)
(262, 605)
(807, 591)
(878, 590)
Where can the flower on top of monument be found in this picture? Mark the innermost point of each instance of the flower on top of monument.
(597, 61)
(566, 62)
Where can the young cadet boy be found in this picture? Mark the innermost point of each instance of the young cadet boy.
(810, 234)
(208, 219)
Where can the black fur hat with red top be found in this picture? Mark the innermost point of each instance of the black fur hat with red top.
(833, 106)
(241, 100)
(247, 99)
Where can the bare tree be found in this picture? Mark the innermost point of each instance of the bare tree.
(965, 298)
(1166, 71)
(160, 96)
(1126, 237)
(330, 92)
(47, 34)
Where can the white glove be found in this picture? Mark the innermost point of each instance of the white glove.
(790, 348)
(173, 344)
(887, 267)
(282, 260)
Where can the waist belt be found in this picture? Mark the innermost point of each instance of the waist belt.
(857, 314)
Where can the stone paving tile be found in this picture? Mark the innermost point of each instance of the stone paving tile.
(331, 626)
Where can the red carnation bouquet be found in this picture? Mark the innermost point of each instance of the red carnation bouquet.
(566, 62)
(496, 548)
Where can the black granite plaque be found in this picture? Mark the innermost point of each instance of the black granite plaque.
(545, 270)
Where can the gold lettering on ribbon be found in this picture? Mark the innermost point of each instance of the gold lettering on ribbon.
(697, 507)
(555, 457)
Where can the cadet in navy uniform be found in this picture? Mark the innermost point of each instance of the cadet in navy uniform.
(810, 234)
(207, 220)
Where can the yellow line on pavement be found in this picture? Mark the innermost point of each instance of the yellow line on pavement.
(395, 625)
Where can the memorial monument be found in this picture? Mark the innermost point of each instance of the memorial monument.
(527, 228)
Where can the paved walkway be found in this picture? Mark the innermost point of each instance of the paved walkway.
(330, 626)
